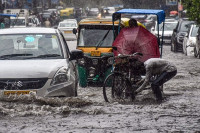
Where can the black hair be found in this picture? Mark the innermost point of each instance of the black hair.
(133, 22)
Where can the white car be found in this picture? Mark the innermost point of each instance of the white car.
(37, 60)
(168, 30)
(66, 27)
(190, 40)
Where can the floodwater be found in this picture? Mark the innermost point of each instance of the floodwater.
(179, 112)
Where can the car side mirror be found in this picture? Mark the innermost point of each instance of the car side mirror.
(174, 30)
(74, 31)
(152, 29)
(186, 34)
(76, 54)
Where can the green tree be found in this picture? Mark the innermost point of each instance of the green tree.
(193, 9)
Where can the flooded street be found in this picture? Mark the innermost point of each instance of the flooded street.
(179, 112)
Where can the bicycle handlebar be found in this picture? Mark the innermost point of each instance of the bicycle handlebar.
(124, 55)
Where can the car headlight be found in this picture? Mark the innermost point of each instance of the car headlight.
(81, 61)
(61, 76)
(180, 39)
(91, 72)
(191, 43)
(95, 61)
(110, 60)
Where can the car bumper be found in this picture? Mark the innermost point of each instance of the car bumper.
(190, 51)
(64, 89)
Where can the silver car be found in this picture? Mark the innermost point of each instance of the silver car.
(66, 27)
(38, 60)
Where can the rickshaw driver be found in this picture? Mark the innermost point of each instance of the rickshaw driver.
(165, 71)
(133, 23)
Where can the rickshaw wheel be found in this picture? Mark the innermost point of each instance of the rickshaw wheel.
(117, 88)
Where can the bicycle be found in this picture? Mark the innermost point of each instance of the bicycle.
(121, 84)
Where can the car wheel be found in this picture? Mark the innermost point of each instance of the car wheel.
(198, 54)
(172, 47)
(186, 52)
(195, 52)
(175, 47)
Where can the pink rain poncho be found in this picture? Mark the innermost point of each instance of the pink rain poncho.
(137, 39)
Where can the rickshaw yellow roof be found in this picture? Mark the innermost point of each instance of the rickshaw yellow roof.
(126, 24)
(97, 21)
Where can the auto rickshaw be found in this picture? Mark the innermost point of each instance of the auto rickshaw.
(95, 38)
(67, 13)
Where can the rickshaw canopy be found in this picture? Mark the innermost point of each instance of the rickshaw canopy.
(160, 13)
(8, 15)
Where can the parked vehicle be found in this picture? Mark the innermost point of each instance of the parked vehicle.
(140, 18)
(197, 45)
(66, 27)
(179, 33)
(37, 60)
(93, 12)
(150, 21)
(169, 26)
(67, 13)
(190, 40)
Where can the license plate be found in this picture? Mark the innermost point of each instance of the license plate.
(16, 92)
(67, 31)
(96, 53)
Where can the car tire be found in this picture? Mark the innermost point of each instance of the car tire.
(175, 47)
(195, 52)
(172, 47)
(186, 52)
(198, 55)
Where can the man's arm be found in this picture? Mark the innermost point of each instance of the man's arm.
(148, 75)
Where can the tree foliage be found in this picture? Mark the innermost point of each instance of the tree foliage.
(193, 9)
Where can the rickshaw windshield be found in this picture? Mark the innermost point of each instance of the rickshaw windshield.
(96, 36)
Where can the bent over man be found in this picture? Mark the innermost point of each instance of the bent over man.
(164, 71)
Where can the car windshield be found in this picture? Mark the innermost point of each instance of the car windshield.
(194, 31)
(168, 26)
(95, 37)
(68, 24)
(184, 26)
(18, 22)
(27, 46)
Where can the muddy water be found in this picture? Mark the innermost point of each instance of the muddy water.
(180, 111)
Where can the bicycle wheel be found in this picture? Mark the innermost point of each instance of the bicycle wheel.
(117, 88)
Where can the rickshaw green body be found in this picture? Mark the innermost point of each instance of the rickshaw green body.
(96, 80)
